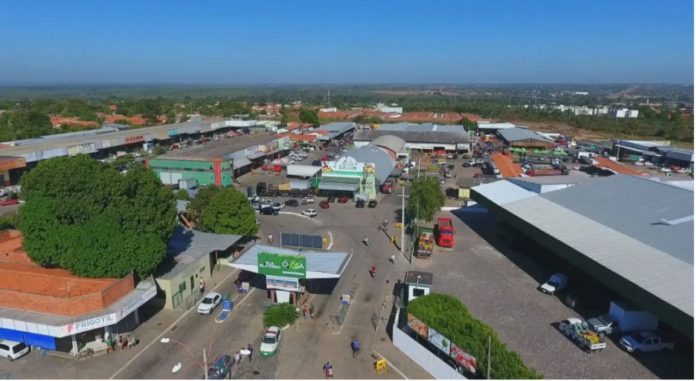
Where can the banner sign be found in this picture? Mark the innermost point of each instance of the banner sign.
(282, 283)
(134, 139)
(417, 326)
(462, 358)
(282, 265)
(435, 338)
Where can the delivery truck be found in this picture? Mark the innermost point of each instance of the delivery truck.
(623, 317)
(445, 232)
(425, 241)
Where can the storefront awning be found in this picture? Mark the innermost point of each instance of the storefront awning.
(338, 186)
(239, 163)
(320, 265)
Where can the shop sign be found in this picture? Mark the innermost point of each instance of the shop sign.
(462, 358)
(347, 163)
(134, 303)
(12, 163)
(282, 265)
(90, 324)
(134, 139)
(282, 283)
(417, 326)
(439, 341)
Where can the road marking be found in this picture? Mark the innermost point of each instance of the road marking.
(391, 365)
(156, 339)
(300, 215)
(328, 247)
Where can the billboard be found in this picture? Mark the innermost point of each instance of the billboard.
(417, 326)
(462, 358)
(282, 283)
(435, 338)
(282, 265)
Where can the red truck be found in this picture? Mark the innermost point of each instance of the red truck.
(445, 232)
(388, 187)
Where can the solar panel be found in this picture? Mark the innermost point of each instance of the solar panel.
(315, 242)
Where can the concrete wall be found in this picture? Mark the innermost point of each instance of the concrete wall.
(421, 355)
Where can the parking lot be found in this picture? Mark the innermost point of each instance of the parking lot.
(498, 284)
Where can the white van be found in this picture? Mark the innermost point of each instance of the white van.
(12, 350)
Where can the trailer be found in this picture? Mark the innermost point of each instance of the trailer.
(578, 331)
(631, 319)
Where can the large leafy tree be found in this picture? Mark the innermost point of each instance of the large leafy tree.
(90, 219)
(425, 199)
(228, 212)
(309, 116)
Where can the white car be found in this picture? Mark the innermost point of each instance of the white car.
(308, 200)
(309, 212)
(270, 341)
(209, 302)
(278, 205)
(12, 350)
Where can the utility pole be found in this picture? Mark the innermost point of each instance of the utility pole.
(488, 370)
(403, 220)
(205, 361)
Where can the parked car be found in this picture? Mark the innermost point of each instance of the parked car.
(310, 212)
(603, 325)
(645, 342)
(308, 200)
(360, 204)
(372, 204)
(12, 350)
(9, 201)
(269, 344)
(269, 211)
(292, 202)
(467, 164)
(324, 204)
(343, 199)
(209, 302)
(221, 368)
(278, 205)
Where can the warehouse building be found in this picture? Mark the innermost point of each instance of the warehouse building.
(220, 162)
(331, 131)
(631, 234)
(525, 138)
(425, 137)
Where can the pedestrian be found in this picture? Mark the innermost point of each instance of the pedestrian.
(366, 241)
(201, 286)
(109, 342)
(311, 310)
(373, 271)
(393, 258)
(237, 358)
(120, 342)
(250, 348)
(304, 312)
(270, 238)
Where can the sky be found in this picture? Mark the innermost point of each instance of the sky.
(344, 42)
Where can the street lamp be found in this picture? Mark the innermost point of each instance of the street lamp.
(167, 340)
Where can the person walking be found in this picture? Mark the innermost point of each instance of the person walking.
(250, 348)
(355, 346)
(201, 286)
(373, 271)
(366, 241)
(304, 312)
(392, 258)
(270, 238)
(237, 358)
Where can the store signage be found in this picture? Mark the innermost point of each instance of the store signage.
(282, 283)
(90, 324)
(134, 303)
(417, 326)
(282, 265)
(439, 341)
(134, 139)
(464, 359)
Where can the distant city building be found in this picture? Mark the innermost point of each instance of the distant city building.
(581, 93)
(388, 109)
(624, 113)
(328, 109)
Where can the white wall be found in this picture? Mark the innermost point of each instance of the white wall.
(422, 356)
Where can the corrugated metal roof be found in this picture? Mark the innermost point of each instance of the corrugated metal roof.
(439, 136)
(517, 134)
(677, 153)
(632, 206)
(660, 273)
(391, 142)
(503, 192)
(327, 264)
(384, 164)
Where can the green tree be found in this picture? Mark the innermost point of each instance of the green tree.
(449, 317)
(229, 212)
(361, 119)
(309, 116)
(200, 201)
(375, 120)
(158, 150)
(425, 199)
(280, 315)
(468, 125)
(182, 194)
(84, 216)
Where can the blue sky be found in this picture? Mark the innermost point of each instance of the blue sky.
(321, 42)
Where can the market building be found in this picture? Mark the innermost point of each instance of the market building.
(191, 258)
(51, 309)
(424, 137)
(332, 131)
(219, 162)
(525, 138)
(660, 153)
(632, 235)
(291, 273)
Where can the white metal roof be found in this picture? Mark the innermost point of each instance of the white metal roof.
(302, 170)
(320, 265)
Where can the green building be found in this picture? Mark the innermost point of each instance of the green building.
(219, 162)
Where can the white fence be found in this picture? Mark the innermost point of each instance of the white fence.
(421, 355)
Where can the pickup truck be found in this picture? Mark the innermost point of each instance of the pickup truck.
(556, 283)
(645, 342)
(578, 331)
(603, 325)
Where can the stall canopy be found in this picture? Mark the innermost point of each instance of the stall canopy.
(320, 265)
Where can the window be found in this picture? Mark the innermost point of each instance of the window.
(182, 287)
(418, 292)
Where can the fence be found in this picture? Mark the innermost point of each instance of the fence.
(422, 355)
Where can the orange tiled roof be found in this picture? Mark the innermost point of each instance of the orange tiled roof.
(505, 165)
(58, 120)
(603, 162)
